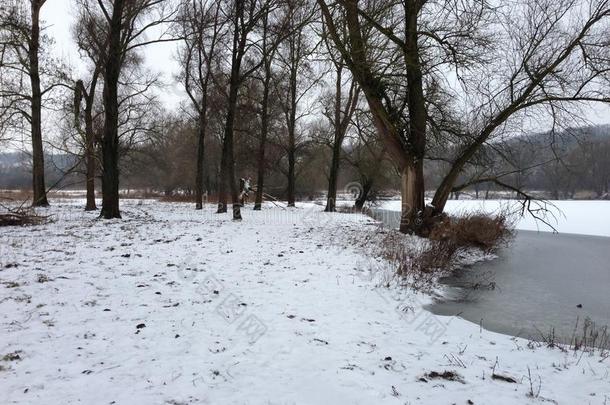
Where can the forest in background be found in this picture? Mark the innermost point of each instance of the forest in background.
(579, 170)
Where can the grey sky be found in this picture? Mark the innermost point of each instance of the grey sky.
(58, 16)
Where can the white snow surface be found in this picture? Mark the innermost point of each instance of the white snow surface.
(590, 217)
(270, 310)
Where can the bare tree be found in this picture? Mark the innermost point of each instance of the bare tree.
(90, 38)
(295, 55)
(201, 27)
(21, 46)
(126, 25)
(268, 50)
(342, 111)
(245, 16)
(88, 136)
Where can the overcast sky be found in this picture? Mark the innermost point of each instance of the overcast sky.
(58, 16)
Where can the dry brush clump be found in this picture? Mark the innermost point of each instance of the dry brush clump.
(416, 262)
(478, 230)
(20, 215)
(180, 198)
(452, 243)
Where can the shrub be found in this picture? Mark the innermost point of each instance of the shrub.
(434, 257)
(479, 230)
(416, 261)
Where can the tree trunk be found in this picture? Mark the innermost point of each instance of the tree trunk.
(291, 157)
(444, 191)
(291, 176)
(223, 180)
(412, 192)
(227, 165)
(90, 160)
(364, 194)
(110, 141)
(413, 205)
(38, 182)
(199, 175)
(331, 198)
(263, 141)
(292, 120)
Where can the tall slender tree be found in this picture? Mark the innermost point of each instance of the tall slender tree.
(90, 38)
(201, 27)
(245, 16)
(87, 93)
(295, 57)
(268, 53)
(340, 118)
(22, 43)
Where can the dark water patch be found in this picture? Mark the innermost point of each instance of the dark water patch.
(542, 282)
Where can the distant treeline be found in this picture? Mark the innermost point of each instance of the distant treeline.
(569, 164)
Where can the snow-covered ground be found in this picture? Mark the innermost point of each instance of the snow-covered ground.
(174, 306)
(580, 217)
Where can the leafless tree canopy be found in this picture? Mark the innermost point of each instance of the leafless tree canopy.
(437, 97)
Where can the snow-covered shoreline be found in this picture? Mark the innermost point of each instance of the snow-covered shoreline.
(174, 306)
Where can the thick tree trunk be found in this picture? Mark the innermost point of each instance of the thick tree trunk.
(412, 193)
(90, 161)
(199, 175)
(38, 182)
(110, 141)
(413, 213)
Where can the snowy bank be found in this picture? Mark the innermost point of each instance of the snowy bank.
(174, 306)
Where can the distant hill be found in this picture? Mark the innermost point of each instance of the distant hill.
(15, 169)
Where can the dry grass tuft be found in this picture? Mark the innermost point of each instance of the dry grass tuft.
(177, 198)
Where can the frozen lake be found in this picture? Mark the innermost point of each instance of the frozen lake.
(542, 281)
